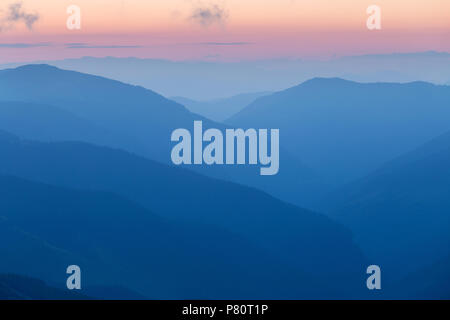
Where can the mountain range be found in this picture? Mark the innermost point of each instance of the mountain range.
(207, 80)
(85, 178)
(41, 102)
(117, 243)
(215, 224)
(344, 130)
(400, 212)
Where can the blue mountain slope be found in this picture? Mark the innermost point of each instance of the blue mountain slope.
(19, 249)
(295, 236)
(49, 123)
(431, 282)
(8, 137)
(400, 212)
(220, 109)
(118, 243)
(346, 129)
(16, 287)
(128, 117)
(126, 109)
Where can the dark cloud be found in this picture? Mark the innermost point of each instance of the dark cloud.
(208, 15)
(212, 56)
(224, 43)
(17, 14)
(74, 44)
(93, 46)
(25, 45)
(71, 45)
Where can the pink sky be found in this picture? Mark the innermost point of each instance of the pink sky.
(226, 30)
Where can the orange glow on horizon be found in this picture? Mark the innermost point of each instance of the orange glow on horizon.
(134, 16)
(269, 27)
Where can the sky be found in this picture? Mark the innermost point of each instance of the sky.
(219, 30)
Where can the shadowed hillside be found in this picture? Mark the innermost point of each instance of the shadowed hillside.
(273, 224)
(118, 243)
(400, 212)
(15, 287)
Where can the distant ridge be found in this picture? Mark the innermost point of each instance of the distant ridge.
(46, 103)
(199, 80)
(220, 109)
(345, 129)
(6, 136)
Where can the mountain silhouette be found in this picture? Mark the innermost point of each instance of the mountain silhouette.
(399, 213)
(16, 287)
(8, 137)
(118, 243)
(118, 107)
(50, 123)
(24, 253)
(45, 103)
(431, 282)
(293, 235)
(220, 109)
(205, 80)
(345, 129)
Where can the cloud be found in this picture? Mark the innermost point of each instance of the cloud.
(25, 45)
(224, 43)
(208, 15)
(93, 46)
(16, 14)
(74, 44)
(70, 45)
(212, 56)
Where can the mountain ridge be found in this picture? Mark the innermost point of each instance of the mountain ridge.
(402, 204)
(127, 117)
(276, 227)
(119, 243)
(371, 123)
